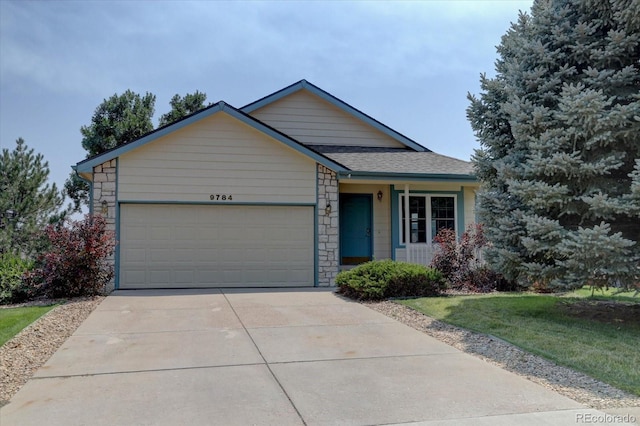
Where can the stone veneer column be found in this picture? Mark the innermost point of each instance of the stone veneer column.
(328, 263)
(104, 190)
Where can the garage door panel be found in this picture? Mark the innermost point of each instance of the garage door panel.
(137, 233)
(187, 234)
(183, 252)
(159, 276)
(208, 233)
(162, 233)
(233, 276)
(160, 255)
(229, 256)
(184, 277)
(205, 254)
(215, 246)
(135, 277)
(256, 254)
(137, 255)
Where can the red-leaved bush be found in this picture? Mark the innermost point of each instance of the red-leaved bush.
(75, 263)
(460, 261)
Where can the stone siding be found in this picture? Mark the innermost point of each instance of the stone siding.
(104, 199)
(328, 261)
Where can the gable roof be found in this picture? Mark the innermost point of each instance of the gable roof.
(87, 165)
(305, 85)
(413, 160)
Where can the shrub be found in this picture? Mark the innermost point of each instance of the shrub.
(13, 289)
(75, 265)
(382, 279)
(461, 265)
(447, 258)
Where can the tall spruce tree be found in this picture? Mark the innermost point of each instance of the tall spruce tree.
(559, 127)
(27, 202)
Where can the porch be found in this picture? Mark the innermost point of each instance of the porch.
(398, 220)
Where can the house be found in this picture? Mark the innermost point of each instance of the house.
(285, 191)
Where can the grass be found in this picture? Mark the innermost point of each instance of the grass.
(599, 335)
(13, 320)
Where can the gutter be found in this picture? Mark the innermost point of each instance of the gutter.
(438, 177)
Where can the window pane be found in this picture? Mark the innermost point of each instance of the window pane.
(418, 219)
(442, 214)
(442, 207)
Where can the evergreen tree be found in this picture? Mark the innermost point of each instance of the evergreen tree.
(559, 126)
(77, 190)
(183, 106)
(27, 202)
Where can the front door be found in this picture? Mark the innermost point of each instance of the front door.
(355, 228)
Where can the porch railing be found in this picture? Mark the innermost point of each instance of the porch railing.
(420, 253)
(423, 254)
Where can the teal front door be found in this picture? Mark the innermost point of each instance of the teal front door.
(355, 228)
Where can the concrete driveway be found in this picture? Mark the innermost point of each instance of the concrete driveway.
(269, 357)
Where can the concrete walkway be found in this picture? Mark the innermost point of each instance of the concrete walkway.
(269, 357)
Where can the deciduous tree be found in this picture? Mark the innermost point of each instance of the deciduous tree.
(116, 121)
(183, 106)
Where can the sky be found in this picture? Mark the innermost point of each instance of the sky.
(407, 64)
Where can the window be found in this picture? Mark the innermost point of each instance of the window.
(438, 211)
(442, 214)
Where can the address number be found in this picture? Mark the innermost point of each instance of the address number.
(220, 197)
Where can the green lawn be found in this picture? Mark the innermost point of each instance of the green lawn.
(599, 336)
(13, 320)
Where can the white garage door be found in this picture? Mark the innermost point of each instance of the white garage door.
(172, 246)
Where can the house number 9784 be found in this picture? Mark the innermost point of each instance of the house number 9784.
(220, 197)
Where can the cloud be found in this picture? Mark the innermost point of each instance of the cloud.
(408, 64)
(89, 46)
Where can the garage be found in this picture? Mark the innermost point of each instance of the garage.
(184, 246)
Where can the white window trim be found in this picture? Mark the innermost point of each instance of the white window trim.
(428, 218)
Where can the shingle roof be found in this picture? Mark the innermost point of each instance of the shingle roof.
(391, 160)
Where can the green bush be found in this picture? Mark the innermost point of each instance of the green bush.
(382, 279)
(13, 289)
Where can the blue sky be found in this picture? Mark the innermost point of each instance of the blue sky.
(407, 64)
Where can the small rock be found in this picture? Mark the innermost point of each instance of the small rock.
(21, 356)
(577, 386)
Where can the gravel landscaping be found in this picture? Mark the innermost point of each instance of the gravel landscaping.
(21, 356)
(575, 385)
